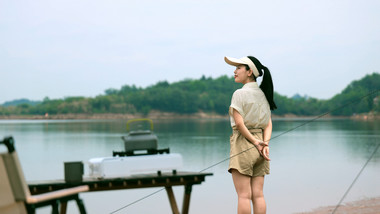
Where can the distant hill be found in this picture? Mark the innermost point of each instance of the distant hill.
(354, 99)
(355, 92)
(206, 95)
(19, 102)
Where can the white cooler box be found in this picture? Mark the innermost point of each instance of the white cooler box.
(113, 167)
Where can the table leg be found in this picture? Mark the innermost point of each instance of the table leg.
(186, 199)
(80, 204)
(173, 203)
(63, 207)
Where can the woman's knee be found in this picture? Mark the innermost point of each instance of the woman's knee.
(257, 194)
(244, 192)
(245, 195)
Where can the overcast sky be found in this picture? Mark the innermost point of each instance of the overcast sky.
(61, 48)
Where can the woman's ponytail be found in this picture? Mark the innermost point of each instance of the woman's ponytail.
(267, 83)
(267, 87)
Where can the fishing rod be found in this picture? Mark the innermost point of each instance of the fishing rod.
(356, 178)
(277, 136)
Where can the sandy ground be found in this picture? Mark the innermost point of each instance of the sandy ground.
(367, 206)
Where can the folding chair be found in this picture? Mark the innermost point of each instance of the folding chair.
(15, 196)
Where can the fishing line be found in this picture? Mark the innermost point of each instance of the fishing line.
(147, 196)
(296, 127)
(356, 178)
(277, 136)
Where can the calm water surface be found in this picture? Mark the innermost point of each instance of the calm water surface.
(311, 166)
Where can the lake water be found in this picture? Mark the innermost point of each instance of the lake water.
(311, 166)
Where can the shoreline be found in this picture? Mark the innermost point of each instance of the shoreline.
(152, 115)
(364, 206)
(169, 115)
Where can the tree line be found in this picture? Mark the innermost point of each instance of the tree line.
(205, 94)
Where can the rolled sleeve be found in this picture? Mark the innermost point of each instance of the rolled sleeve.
(236, 103)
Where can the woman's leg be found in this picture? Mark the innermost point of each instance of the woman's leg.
(257, 185)
(242, 185)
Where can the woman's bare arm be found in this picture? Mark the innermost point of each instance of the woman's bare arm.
(267, 134)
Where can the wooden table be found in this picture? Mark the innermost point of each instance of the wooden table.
(167, 180)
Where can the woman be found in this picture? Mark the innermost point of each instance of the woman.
(251, 122)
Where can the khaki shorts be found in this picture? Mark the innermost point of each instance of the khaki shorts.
(244, 156)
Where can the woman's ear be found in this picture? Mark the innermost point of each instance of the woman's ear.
(250, 73)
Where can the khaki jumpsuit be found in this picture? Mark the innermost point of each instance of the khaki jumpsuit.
(253, 106)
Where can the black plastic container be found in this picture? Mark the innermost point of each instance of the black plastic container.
(74, 172)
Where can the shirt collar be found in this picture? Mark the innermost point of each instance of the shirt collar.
(251, 85)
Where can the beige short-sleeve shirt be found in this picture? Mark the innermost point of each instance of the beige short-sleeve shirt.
(252, 105)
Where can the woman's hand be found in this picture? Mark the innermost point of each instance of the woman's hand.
(263, 149)
(265, 152)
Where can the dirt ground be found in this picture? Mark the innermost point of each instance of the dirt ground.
(367, 206)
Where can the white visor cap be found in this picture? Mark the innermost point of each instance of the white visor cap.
(242, 61)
